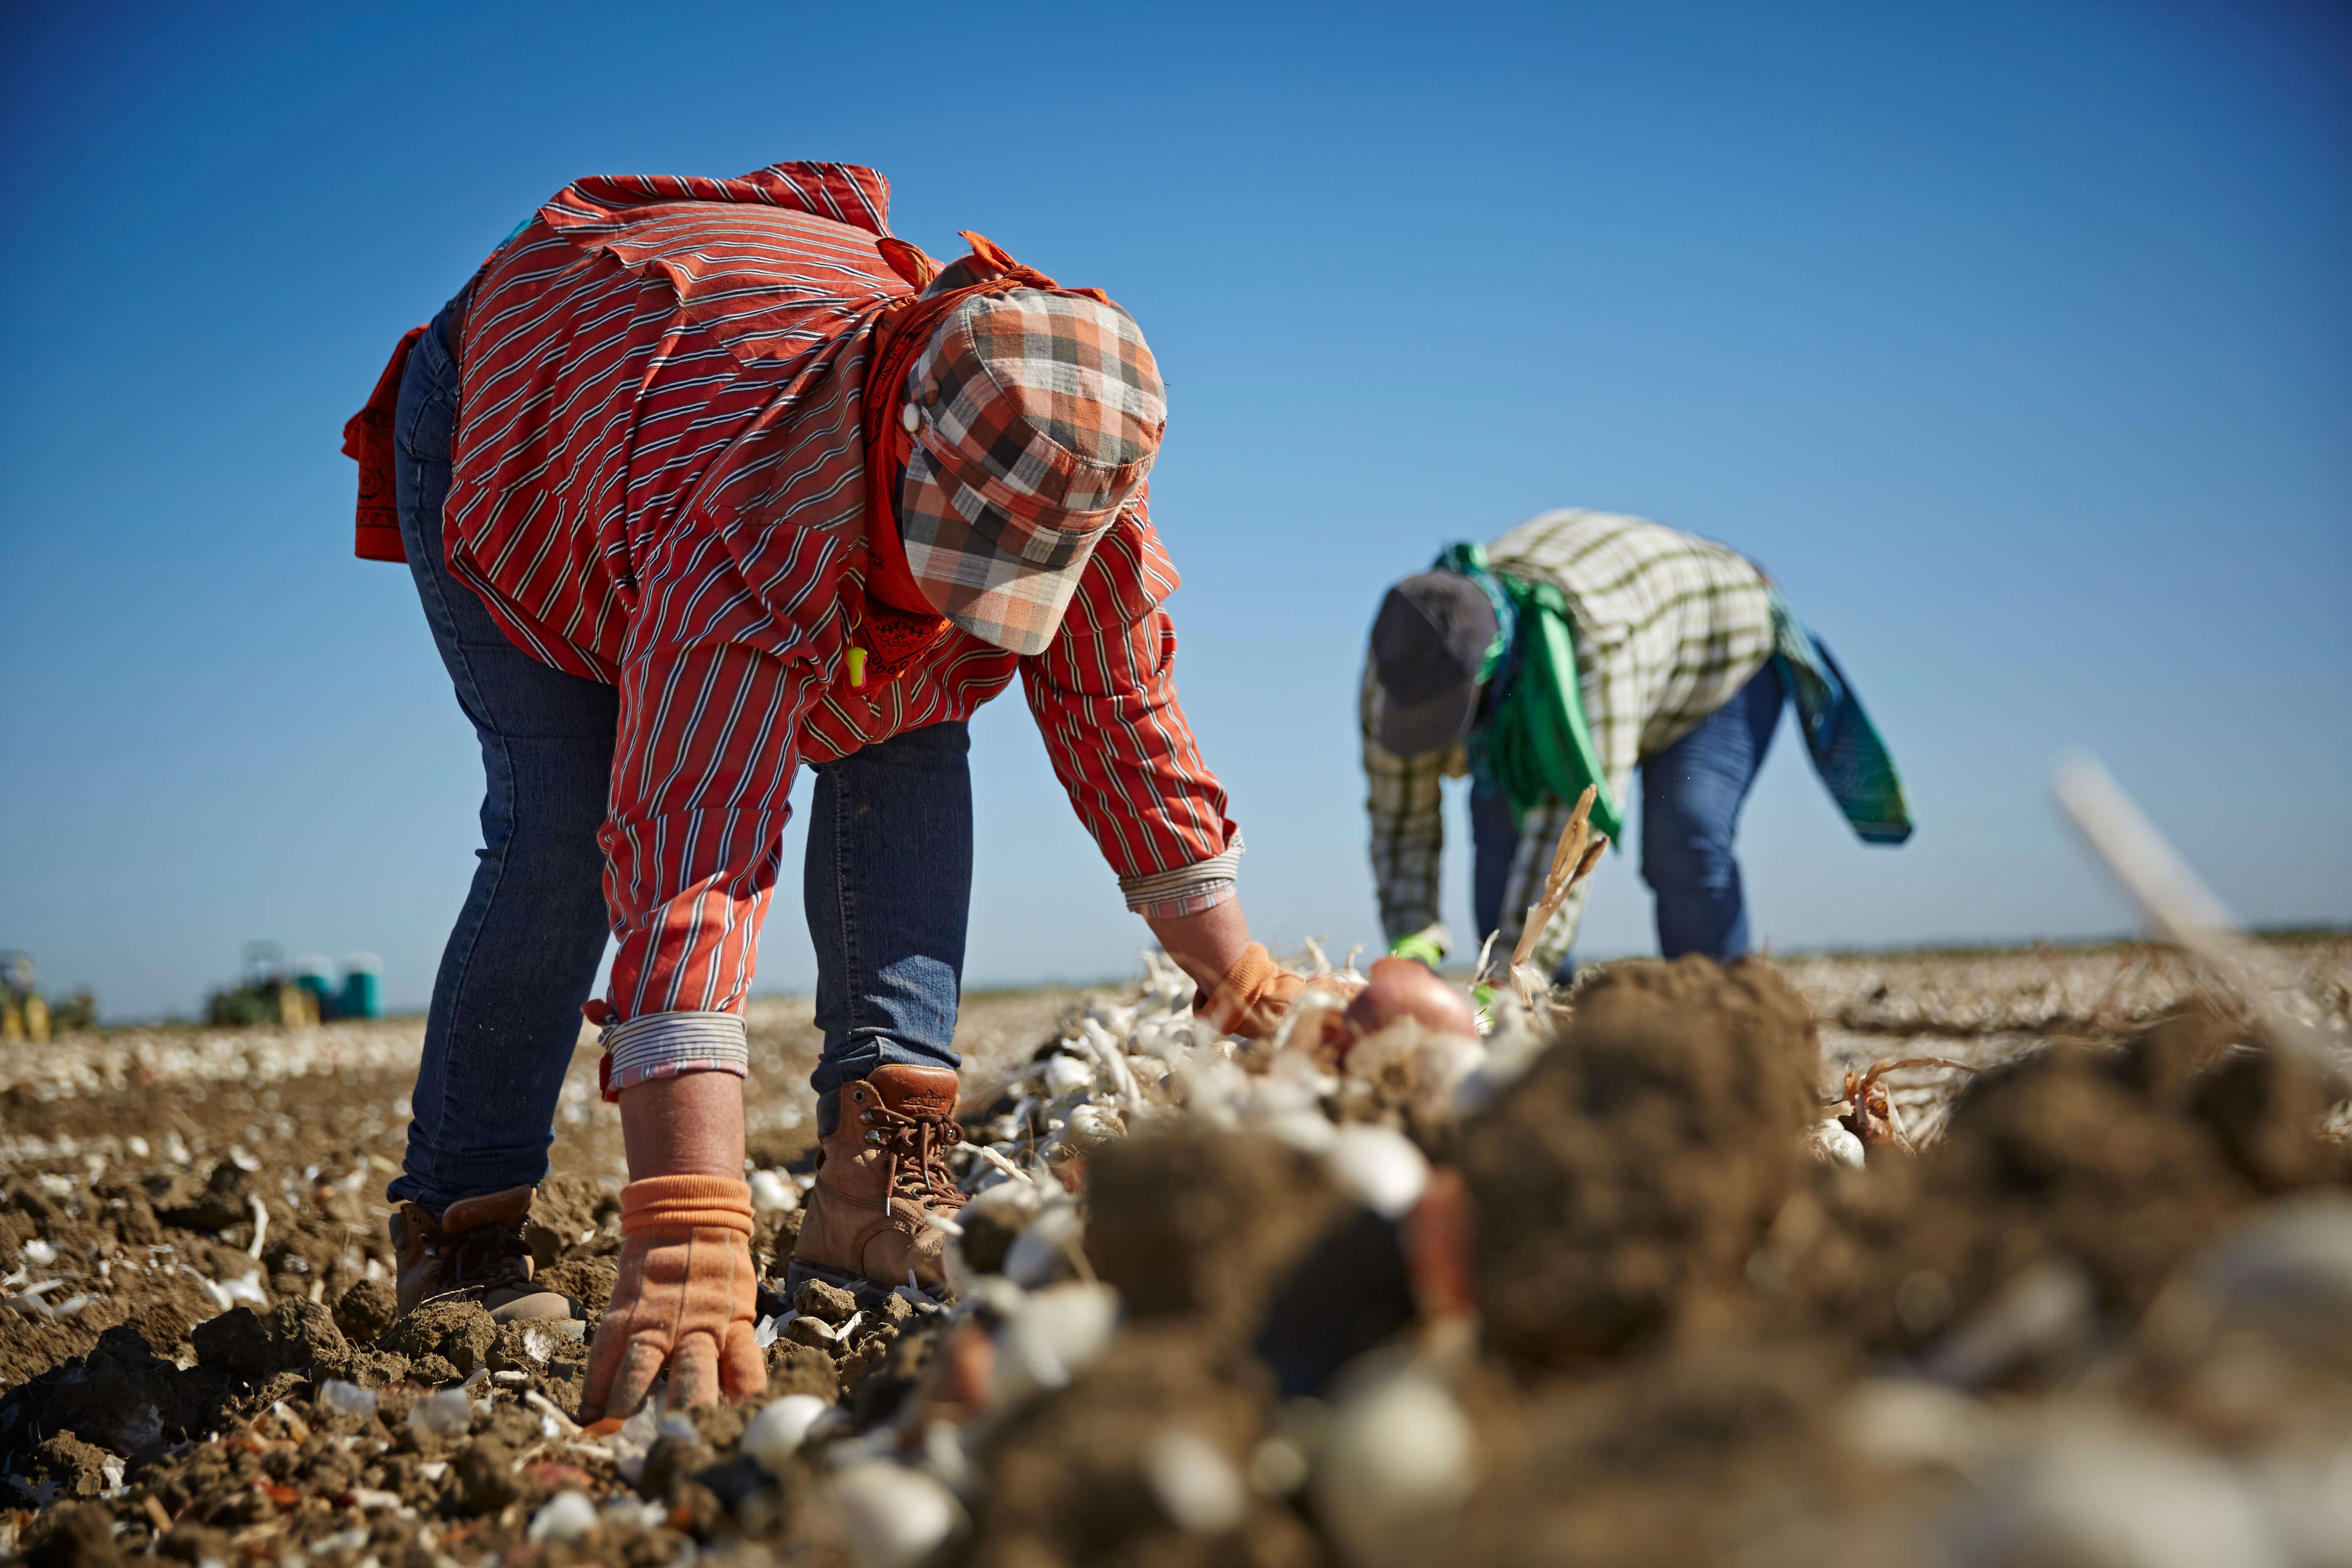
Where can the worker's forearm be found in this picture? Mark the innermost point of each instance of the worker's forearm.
(1205, 945)
(690, 1125)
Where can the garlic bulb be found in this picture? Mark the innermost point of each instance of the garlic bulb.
(1397, 1460)
(777, 1431)
(1830, 1143)
(1379, 1166)
(568, 1517)
(1195, 1484)
(1066, 1075)
(896, 1517)
(1054, 1336)
(2096, 1491)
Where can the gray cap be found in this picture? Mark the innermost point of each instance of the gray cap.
(1428, 642)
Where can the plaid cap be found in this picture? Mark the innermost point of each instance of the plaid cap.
(1040, 413)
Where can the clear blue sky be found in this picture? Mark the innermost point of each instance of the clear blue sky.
(2016, 339)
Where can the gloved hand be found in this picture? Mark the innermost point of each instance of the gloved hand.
(1427, 945)
(684, 1300)
(1256, 992)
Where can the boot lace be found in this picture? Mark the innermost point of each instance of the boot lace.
(917, 1147)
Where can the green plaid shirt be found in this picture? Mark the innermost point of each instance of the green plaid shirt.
(1668, 628)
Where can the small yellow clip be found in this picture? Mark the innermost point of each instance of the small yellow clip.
(857, 667)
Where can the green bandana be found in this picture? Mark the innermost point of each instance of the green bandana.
(1534, 746)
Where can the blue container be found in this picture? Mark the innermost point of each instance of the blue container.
(362, 994)
(322, 994)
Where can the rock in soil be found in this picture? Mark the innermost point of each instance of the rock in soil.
(827, 1303)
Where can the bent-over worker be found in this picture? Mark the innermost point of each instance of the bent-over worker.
(700, 481)
(1571, 650)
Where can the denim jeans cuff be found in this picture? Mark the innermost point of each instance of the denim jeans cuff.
(452, 1179)
(859, 1059)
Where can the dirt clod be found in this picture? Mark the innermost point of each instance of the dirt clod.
(486, 1473)
(2107, 1163)
(1635, 1167)
(365, 1311)
(1206, 1225)
(815, 1299)
(237, 1344)
(121, 1395)
(78, 1536)
(460, 1333)
(224, 1201)
(75, 1468)
(587, 1280)
(795, 1368)
(1073, 1480)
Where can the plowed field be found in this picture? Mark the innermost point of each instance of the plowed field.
(1586, 1293)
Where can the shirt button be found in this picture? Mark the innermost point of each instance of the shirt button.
(910, 418)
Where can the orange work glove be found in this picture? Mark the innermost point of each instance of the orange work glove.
(684, 1300)
(1256, 992)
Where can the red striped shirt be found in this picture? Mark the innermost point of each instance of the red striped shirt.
(659, 484)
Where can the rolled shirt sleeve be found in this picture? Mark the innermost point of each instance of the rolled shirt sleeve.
(1188, 890)
(665, 1045)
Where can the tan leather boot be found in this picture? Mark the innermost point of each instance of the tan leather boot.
(473, 1252)
(878, 1172)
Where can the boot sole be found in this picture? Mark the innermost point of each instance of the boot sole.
(870, 1293)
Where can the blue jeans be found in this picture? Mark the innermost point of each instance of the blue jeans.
(1691, 796)
(887, 883)
(889, 870)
